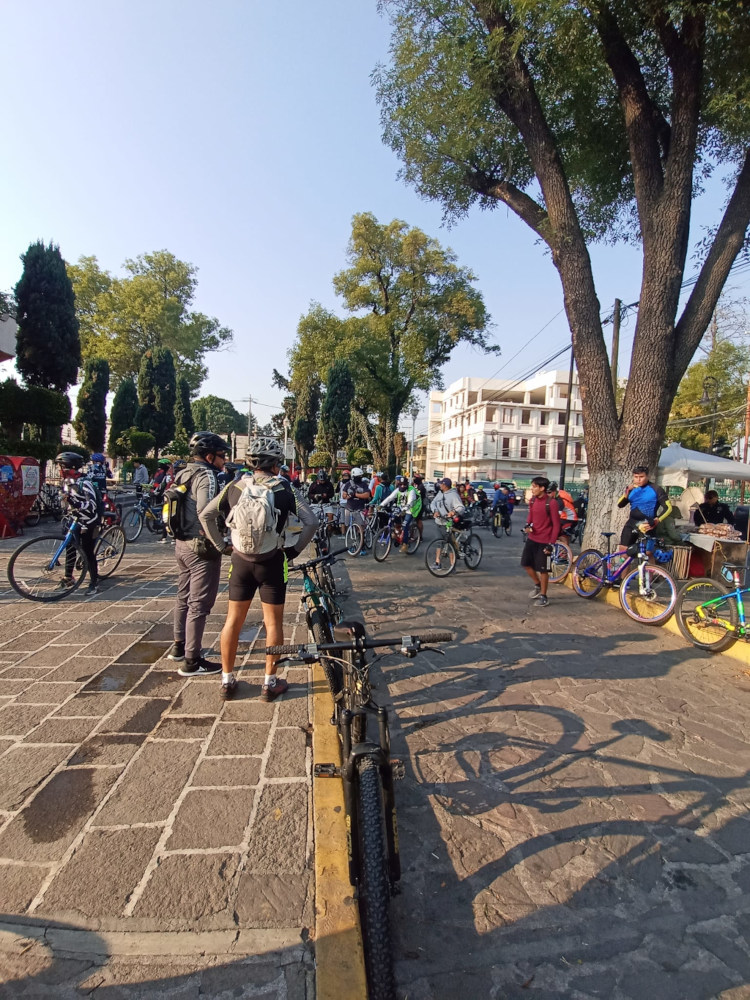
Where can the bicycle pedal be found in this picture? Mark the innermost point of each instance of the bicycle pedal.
(398, 769)
(326, 771)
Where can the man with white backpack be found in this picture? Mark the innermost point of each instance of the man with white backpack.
(256, 508)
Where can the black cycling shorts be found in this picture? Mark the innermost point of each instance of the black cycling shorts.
(536, 555)
(629, 532)
(246, 576)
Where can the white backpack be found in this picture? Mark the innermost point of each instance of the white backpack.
(254, 517)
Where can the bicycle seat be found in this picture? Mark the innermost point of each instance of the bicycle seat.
(740, 567)
(608, 534)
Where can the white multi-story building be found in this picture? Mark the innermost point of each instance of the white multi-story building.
(497, 429)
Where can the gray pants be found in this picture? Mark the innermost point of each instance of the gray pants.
(197, 587)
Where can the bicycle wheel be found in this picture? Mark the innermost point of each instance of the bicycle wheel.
(35, 514)
(369, 537)
(497, 525)
(109, 550)
(589, 573)
(132, 524)
(153, 523)
(321, 632)
(37, 569)
(653, 602)
(329, 583)
(354, 539)
(353, 697)
(375, 887)
(415, 537)
(440, 557)
(382, 544)
(701, 625)
(473, 551)
(508, 528)
(560, 562)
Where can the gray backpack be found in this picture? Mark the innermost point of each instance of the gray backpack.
(254, 518)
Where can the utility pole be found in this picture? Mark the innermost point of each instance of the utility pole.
(747, 435)
(615, 343)
(414, 413)
(566, 435)
(249, 418)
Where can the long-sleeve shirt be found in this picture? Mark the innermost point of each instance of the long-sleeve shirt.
(204, 486)
(140, 475)
(448, 503)
(81, 497)
(544, 517)
(408, 499)
(646, 502)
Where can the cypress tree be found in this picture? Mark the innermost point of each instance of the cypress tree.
(124, 410)
(337, 407)
(165, 396)
(183, 411)
(306, 425)
(146, 417)
(91, 419)
(48, 348)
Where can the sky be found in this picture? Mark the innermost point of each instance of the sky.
(242, 136)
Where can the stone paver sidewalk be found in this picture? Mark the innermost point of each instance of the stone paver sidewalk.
(133, 801)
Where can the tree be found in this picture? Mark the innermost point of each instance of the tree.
(122, 318)
(412, 303)
(147, 418)
(165, 396)
(337, 405)
(123, 414)
(595, 121)
(212, 413)
(183, 412)
(48, 349)
(7, 305)
(134, 442)
(306, 424)
(400, 446)
(91, 419)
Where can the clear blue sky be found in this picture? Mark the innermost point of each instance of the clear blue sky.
(242, 136)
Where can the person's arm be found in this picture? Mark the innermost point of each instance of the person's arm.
(663, 506)
(728, 515)
(309, 525)
(625, 498)
(389, 499)
(210, 514)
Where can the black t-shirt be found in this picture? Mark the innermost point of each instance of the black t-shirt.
(321, 492)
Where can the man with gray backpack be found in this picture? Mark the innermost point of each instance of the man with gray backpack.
(256, 508)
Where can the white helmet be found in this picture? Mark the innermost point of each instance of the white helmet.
(265, 451)
(356, 472)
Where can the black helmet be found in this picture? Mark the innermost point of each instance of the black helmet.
(204, 443)
(70, 460)
(264, 452)
(552, 488)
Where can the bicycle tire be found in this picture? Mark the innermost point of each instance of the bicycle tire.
(560, 562)
(132, 525)
(382, 545)
(352, 697)
(440, 557)
(375, 887)
(415, 539)
(152, 522)
(589, 573)
(497, 525)
(321, 631)
(33, 575)
(709, 636)
(473, 551)
(508, 528)
(109, 550)
(369, 538)
(35, 514)
(354, 539)
(657, 603)
(329, 581)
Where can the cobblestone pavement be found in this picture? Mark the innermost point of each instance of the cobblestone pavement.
(574, 820)
(134, 803)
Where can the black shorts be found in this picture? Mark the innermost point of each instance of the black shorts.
(536, 555)
(246, 576)
(629, 532)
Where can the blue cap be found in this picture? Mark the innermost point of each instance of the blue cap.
(445, 482)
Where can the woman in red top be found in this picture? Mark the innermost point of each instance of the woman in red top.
(542, 531)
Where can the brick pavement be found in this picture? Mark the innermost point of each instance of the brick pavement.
(136, 805)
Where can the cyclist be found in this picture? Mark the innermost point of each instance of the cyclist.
(266, 570)
(99, 472)
(284, 473)
(80, 495)
(162, 480)
(649, 505)
(357, 493)
(418, 482)
(408, 499)
(542, 531)
(448, 505)
(501, 505)
(566, 507)
(321, 491)
(342, 486)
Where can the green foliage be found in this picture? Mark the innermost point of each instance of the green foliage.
(179, 447)
(212, 413)
(336, 410)
(183, 413)
(360, 456)
(91, 419)
(123, 414)
(306, 424)
(320, 460)
(122, 318)
(134, 442)
(147, 417)
(48, 349)
(157, 392)
(45, 451)
(44, 411)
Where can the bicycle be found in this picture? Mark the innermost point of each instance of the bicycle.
(648, 593)
(709, 614)
(355, 533)
(322, 613)
(367, 773)
(481, 516)
(501, 522)
(47, 502)
(459, 542)
(392, 532)
(142, 513)
(109, 550)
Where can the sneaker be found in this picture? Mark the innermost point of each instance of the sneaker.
(67, 582)
(269, 693)
(364, 552)
(176, 651)
(199, 667)
(542, 601)
(91, 590)
(163, 541)
(403, 548)
(229, 689)
(535, 592)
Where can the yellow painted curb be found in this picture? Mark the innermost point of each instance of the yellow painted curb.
(339, 956)
(739, 651)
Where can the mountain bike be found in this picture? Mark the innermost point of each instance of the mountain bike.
(501, 523)
(481, 516)
(355, 533)
(648, 593)
(47, 502)
(392, 533)
(144, 512)
(322, 613)
(459, 542)
(109, 550)
(367, 773)
(49, 568)
(710, 614)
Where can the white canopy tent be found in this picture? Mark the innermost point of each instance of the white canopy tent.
(677, 465)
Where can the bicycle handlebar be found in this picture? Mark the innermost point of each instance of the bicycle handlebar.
(330, 558)
(356, 642)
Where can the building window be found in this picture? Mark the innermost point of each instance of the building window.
(505, 451)
(561, 418)
(579, 420)
(542, 449)
(474, 448)
(577, 451)
(507, 415)
(525, 416)
(524, 447)
(544, 418)
(563, 392)
(559, 451)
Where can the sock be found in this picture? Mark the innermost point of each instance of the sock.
(226, 678)
(270, 680)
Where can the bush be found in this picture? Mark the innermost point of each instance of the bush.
(320, 460)
(45, 451)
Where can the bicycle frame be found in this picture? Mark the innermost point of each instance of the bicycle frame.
(739, 590)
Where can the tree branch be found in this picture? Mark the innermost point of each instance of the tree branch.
(525, 207)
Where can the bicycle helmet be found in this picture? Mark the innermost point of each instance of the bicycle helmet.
(98, 457)
(204, 443)
(70, 460)
(496, 486)
(552, 488)
(399, 481)
(322, 474)
(284, 468)
(357, 473)
(165, 462)
(264, 452)
(178, 464)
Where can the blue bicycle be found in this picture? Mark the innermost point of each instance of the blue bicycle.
(647, 592)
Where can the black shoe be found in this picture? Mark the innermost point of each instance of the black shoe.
(176, 651)
(91, 590)
(229, 689)
(269, 693)
(199, 667)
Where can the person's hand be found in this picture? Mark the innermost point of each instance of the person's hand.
(228, 549)
(290, 552)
